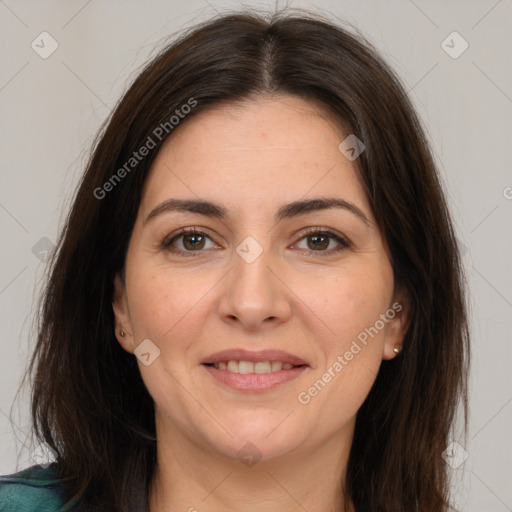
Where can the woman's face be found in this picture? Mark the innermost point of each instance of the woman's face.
(269, 277)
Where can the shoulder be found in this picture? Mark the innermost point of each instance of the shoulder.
(35, 489)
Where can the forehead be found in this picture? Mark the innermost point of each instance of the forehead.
(261, 124)
(264, 150)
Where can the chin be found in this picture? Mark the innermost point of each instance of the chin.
(257, 436)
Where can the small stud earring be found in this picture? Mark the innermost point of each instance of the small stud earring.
(121, 334)
(397, 349)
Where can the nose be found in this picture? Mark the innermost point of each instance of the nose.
(255, 296)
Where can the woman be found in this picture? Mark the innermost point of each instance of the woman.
(257, 300)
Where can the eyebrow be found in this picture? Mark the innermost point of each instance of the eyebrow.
(287, 211)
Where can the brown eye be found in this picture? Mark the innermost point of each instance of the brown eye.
(188, 241)
(319, 241)
(193, 242)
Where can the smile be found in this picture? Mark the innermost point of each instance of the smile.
(246, 367)
(250, 377)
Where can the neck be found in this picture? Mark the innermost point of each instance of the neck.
(195, 478)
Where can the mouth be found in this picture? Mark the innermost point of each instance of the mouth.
(247, 367)
(254, 371)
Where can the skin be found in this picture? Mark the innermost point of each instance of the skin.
(252, 158)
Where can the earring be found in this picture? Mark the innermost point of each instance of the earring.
(121, 334)
(397, 349)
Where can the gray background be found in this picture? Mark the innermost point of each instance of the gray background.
(52, 108)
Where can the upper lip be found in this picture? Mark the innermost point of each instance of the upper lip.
(239, 354)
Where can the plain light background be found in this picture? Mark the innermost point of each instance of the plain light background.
(52, 108)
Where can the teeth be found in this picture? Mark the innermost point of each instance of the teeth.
(246, 367)
(262, 367)
(233, 366)
(276, 366)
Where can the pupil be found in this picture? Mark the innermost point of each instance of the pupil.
(194, 245)
(317, 238)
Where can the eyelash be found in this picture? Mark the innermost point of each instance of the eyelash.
(343, 242)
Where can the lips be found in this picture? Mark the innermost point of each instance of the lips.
(254, 357)
(253, 372)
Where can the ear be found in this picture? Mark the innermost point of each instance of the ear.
(121, 315)
(399, 315)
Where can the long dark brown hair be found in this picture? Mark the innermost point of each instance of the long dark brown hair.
(89, 402)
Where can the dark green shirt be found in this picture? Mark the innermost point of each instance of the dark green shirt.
(35, 489)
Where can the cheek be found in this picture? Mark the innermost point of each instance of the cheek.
(352, 308)
(350, 302)
(351, 357)
(166, 309)
(161, 302)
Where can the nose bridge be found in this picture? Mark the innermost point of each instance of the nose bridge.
(251, 264)
(251, 280)
(253, 293)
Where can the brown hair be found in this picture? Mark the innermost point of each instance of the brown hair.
(89, 402)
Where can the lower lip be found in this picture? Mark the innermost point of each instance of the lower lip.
(254, 381)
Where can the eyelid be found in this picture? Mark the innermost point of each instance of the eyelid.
(343, 242)
(168, 240)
